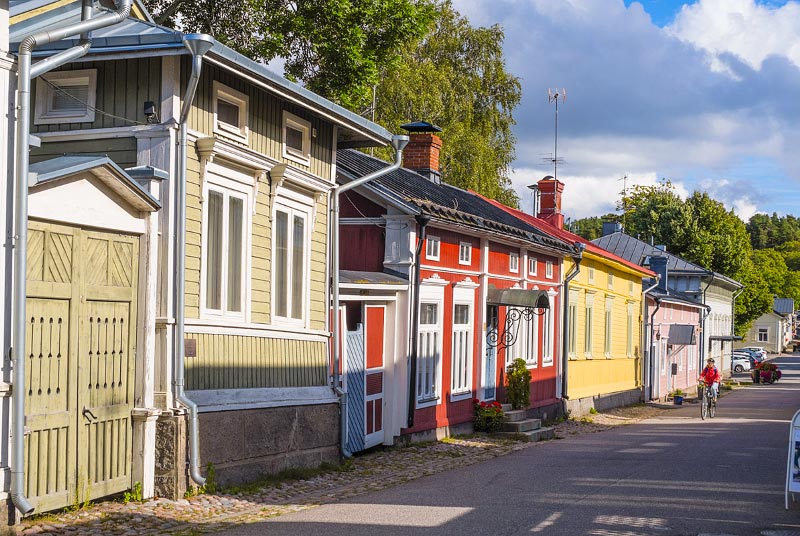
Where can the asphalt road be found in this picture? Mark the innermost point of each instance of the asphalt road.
(674, 475)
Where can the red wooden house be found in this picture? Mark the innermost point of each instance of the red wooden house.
(463, 286)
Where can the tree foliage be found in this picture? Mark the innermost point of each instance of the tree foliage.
(590, 228)
(335, 47)
(456, 78)
(772, 231)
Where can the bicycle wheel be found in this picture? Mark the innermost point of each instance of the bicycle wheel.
(704, 407)
(712, 407)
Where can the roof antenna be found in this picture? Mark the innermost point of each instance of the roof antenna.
(552, 96)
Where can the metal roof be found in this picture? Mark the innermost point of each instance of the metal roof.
(442, 201)
(639, 252)
(783, 306)
(144, 37)
(658, 294)
(355, 277)
(101, 166)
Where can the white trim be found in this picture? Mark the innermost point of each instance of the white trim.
(303, 155)
(45, 115)
(137, 131)
(548, 269)
(246, 399)
(468, 249)
(466, 283)
(464, 296)
(235, 98)
(533, 261)
(264, 331)
(435, 280)
(432, 293)
(430, 241)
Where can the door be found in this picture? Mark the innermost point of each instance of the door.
(374, 375)
(490, 370)
(80, 347)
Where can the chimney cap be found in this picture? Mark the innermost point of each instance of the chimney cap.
(548, 178)
(420, 126)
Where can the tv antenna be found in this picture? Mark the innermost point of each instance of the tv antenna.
(624, 203)
(553, 96)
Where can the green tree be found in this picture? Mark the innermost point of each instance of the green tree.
(657, 214)
(791, 254)
(780, 280)
(590, 228)
(754, 300)
(456, 78)
(335, 47)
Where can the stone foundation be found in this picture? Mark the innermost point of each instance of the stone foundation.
(246, 444)
(171, 480)
(581, 406)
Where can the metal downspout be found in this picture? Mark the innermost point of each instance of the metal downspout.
(25, 73)
(580, 246)
(646, 380)
(399, 142)
(423, 221)
(198, 45)
(652, 343)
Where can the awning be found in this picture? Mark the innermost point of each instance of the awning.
(725, 338)
(682, 334)
(517, 297)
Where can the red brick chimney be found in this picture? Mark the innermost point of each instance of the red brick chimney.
(422, 152)
(550, 190)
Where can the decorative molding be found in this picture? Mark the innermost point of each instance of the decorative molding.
(466, 283)
(435, 280)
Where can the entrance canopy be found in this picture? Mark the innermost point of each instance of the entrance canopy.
(517, 297)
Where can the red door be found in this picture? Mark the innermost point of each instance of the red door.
(373, 377)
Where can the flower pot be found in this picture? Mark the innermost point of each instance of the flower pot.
(756, 374)
(678, 400)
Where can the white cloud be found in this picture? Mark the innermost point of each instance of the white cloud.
(752, 32)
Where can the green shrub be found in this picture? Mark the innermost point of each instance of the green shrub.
(518, 384)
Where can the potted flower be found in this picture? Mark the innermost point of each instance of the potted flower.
(488, 416)
(768, 372)
(677, 396)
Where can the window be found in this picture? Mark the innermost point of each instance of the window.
(589, 325)
(290, 259)
(548, 270)
(296, 139)
(630, 288)
(432, 248)
(462, 349)
(531, 265)
(548, 335)
(608, 326)
(230, 113)
(610, 281)
(763, 334)
(591, 275)
(66, 97)
(513, 262)
(690, 358)
(464, 253)
(629, 331)
(428, 353)
(224, 259)
(572, 319)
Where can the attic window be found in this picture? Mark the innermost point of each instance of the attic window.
(230, 113)
(296, 139)
(66, 97)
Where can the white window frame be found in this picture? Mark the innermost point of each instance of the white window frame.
(610, 280)
(572, 328)
(548, 335)
(465, 296)
(229, 188)
(690, 358)
(548, 269)
(630, 288)
(238, 99)
(293, 204)
(431, 294)
(588, 333)
(513, 262)
(532, 266)
(629, 329)
(765, 332)
(303, 156)
(462, 248)
(608, 342)
(45, 115)
(591, 275)
(433, 246)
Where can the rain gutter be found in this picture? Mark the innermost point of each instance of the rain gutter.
(647, 376)
(422, 220)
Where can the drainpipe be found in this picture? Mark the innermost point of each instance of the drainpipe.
(647, 374)
(25, 73)
(580, 246)
(399, 142)
(198, 45)
(423, 221)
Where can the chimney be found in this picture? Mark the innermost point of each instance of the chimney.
(611, 227)
(658, 263)
(550, 190)
(422, 152)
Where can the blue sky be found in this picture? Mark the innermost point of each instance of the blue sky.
(704, 93)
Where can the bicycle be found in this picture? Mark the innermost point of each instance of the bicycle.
(708, 405)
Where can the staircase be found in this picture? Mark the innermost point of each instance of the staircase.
(518, 425)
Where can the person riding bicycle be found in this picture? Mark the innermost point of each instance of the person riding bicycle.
(711, 376)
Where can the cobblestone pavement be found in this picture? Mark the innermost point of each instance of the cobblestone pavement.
(365, 473)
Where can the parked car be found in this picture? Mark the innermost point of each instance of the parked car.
(762, 354)
(740, 362)
(751, 355)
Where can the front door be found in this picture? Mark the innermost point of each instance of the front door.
(374, 377)
(80, 346)
(490, 372)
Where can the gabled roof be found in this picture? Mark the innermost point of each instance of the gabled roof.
(783, 306)
(639, 252)
(416, 194)
(140, 36)
(569, 237)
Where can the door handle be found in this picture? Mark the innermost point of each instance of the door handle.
(88, 413)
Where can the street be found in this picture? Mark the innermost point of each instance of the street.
(673, 475)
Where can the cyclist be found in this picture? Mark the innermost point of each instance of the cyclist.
(711, 376)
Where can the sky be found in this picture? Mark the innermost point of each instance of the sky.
(704, 93)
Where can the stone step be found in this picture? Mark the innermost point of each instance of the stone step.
(522, 426)
(514, 415)
(539, 434)
(507, 408)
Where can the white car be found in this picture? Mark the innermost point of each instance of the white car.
(761, 352)
(740, 362)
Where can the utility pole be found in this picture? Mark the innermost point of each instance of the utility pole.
(553, 96)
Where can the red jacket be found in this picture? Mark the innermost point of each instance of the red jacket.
(710, 375)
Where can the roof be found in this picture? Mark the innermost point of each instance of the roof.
(144, 37)
(660, 295)
(569, 237)
(102, 167)
(783, 306)
(637, 251)
(417, 194)
(354, 277)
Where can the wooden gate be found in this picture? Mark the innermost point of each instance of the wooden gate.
(81, 346)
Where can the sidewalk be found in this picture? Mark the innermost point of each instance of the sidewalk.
(369, 472)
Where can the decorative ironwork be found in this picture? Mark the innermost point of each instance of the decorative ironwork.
(514, 317)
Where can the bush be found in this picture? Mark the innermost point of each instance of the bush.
(488, 416)
(518, 384)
